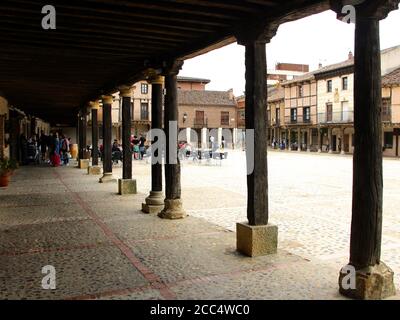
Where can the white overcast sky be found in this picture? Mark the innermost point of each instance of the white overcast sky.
(320, 38)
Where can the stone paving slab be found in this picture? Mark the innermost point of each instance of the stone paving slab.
(103, 247)
(50, 235)
(78, 273)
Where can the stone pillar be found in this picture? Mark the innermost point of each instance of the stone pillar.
(309, 142)
(107, 134)
(330, 140)
(234, 138)
(94, 168)
(154, 203)
(319, 140)
(289, 145)
(204, 142)
(372, 278)
(342, 140)
(188, 135)
(219, 137)
(298, 139)
(126, 185)
(256, 237)
(172, 204)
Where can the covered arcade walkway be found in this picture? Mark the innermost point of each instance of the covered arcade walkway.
(101, 47)
(102, 246)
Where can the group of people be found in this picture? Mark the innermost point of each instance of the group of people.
(138, 148)
(55, 149)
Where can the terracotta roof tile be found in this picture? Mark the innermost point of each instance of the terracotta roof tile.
(205, 97)
(392, 78)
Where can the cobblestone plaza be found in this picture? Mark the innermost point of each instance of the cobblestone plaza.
(103, 247)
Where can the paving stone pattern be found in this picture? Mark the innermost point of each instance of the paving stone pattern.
(103, 247)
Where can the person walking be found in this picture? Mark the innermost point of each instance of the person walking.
(142, 149)
(65, 150)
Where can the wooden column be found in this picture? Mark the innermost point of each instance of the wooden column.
(126, 95)
(154, 203)
(173, 204)
(107, 136)
(95, 134)
(289, 146)
(256, 237)
(374, 280)
(156, 123)
(330, 140)
(82, 134)
(256, 119)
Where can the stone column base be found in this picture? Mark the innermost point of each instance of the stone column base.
(94, 170)
(172, 209)
(151, 209)
(107, 177)
(256, 241)
(372, 283)
(127, 186)
(154, 203)
(342, 152)
(83, 163)
(319, 150)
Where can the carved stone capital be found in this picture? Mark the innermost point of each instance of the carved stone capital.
(153, 76)
(94, 105)
(107, 99)
(125, 91)
(172, 67)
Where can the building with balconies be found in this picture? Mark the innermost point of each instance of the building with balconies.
(391, 113)
(319, 107)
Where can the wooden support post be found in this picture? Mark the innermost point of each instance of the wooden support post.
(373, 279)
(95, 134)
(256, 237)
(126, 185)
(172, 203)
(126, 95)
(107, 127)
(94, 169)
(154, 203)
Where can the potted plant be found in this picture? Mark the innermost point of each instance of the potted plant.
(7, 167)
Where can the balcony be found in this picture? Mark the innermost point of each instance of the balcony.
(298, 120)
(336, 117)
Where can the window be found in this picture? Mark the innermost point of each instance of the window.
(386, 110)
(144, 88)
(293, 115)
(345, 83)
(329, 86)
(144, 111)
(224, 118)
(300, 91)
(199, 118)
(277, 115)
(388, 140)
(306, 114)
(329, 114)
